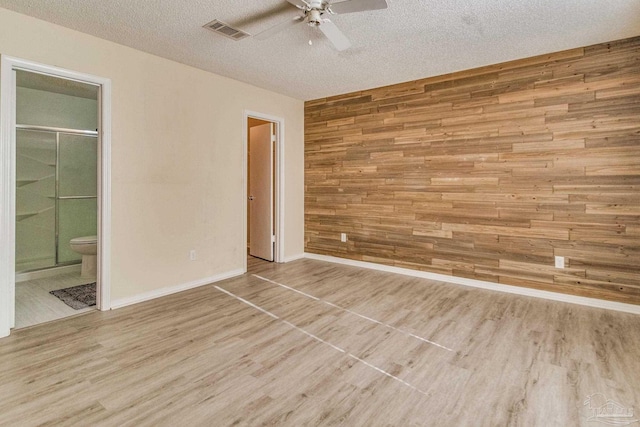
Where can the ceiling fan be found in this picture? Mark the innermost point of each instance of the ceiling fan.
(314, 13)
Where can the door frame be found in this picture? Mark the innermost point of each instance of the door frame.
(256, 226)
(278, 253)
(8, 185)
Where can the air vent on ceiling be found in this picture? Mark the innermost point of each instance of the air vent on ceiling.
(225, 30)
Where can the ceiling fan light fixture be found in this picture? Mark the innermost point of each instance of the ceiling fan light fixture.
(314, 12)
(314, 18)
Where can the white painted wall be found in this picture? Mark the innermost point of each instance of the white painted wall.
(176, 156)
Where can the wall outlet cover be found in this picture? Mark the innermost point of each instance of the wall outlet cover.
(559, 262)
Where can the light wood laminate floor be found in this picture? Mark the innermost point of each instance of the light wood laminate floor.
(314, 343)
(35, 305)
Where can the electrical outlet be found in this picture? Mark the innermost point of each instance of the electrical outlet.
(559, 262)
(192, 254)
(343, 237)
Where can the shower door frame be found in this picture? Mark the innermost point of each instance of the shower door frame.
(8, 181)
(57, 132)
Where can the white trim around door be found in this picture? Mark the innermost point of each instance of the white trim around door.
(278, 175)
(8, 174)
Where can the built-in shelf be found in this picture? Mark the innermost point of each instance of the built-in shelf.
(26, 181)
(20, 216)
(23, 182)
(51, 163)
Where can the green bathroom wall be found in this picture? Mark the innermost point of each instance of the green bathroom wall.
(78, 165)
(41, 108)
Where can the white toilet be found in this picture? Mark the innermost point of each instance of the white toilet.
(87, 246)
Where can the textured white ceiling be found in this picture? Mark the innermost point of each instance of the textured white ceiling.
(411, 39)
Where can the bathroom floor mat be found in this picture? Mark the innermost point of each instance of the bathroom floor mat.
(77, 297)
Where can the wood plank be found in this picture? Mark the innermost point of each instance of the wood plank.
(512, 162)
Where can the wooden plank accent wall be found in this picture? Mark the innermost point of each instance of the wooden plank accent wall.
(488, 173)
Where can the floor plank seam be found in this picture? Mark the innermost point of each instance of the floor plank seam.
(320, 340)
(402, 331)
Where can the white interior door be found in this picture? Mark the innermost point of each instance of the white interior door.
(261, 191)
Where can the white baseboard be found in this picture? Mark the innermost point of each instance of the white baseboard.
(555, 296)
(294, 257)
(146, 296)
(49, 272)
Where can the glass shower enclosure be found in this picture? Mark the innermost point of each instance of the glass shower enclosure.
(56, 194)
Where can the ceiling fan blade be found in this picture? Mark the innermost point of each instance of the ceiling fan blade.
(333, 33)
(351, 6)
(300, 4)
(279, 27)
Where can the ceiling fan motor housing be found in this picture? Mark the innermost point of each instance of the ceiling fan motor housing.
(314, 17)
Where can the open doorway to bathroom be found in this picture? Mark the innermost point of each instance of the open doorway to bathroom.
(56, 197)
(53, 83)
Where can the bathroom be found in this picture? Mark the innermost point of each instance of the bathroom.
(56, 171)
